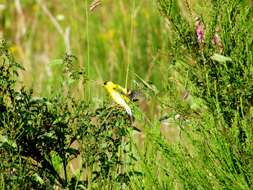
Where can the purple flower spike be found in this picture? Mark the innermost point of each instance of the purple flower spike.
(217, 41)
(199, 30)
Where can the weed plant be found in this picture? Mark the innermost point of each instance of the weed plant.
(215, 151)
(37, 135)
(205, 91)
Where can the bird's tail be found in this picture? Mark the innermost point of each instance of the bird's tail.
(128, 110)
(131, 118)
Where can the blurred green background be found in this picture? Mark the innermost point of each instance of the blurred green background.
(107, 39)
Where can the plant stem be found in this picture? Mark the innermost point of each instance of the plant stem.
(88, 47)
(130, 44)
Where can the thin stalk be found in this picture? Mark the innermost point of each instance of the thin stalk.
(88, 47)
(65, 170)
(130, 44)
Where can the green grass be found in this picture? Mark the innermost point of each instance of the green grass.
(195, 107)
(112, 42)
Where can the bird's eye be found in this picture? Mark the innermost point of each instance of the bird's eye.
(105, 83)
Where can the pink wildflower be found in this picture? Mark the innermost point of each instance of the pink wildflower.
(217, 41)
(199, 28)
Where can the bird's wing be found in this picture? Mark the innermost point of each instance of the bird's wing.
(120, 88)
(123, 92)
(119, 100)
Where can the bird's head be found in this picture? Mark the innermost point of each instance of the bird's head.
(109, 85)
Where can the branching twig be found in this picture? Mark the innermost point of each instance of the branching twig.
(65, 34)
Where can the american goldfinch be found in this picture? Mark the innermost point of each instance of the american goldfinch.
(119, 95)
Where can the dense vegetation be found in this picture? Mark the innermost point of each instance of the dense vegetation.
(189, 61)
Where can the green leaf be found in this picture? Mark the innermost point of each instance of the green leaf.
(38, 179)
(220, 58)
(70, 81)
(56, 62)
(5, 140)
(56, 160)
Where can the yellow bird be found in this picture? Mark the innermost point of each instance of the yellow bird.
(119, 95)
